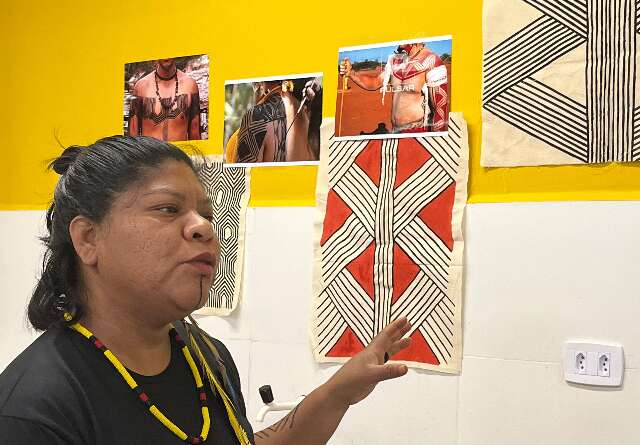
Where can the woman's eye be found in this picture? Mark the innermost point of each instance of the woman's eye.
(208, 217)
(168, 209)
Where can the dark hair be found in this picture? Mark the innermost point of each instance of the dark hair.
(91, 178)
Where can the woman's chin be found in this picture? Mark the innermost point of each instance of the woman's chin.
(189, 296)
(188, 304)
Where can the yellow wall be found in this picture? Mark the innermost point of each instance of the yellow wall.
(62, 76)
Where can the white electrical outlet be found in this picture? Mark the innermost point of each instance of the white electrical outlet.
(593, 364)
(579, 362)
(604, 364)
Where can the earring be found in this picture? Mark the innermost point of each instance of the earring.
(62, 305)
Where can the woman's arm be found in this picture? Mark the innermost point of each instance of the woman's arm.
(313, 421)
(316, 418)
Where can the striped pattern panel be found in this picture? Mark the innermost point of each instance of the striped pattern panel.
(228, 189)
(605, 128)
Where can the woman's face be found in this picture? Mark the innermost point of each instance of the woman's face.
(157, 251)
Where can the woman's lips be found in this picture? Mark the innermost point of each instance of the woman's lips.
(201, 266)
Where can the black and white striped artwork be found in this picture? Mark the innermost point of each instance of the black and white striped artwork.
(228, 189)
(560, 82)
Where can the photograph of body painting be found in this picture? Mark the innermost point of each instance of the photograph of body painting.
(167, 99)
(394, 89)
(273, 121)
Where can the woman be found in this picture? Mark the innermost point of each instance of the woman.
(130, 253)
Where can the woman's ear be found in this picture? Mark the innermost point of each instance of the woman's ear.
(83, 233)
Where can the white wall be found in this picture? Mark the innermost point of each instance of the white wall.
(537, 274)
(20, 263)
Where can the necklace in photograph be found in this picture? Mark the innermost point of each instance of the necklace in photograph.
(167, 103)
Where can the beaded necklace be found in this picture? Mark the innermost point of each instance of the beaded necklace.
(166, 102)
(144, 398)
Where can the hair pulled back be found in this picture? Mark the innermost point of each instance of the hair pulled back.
(91, 178)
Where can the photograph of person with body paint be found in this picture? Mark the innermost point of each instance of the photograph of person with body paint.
(167, 99)
(273, 120)
(394, 89)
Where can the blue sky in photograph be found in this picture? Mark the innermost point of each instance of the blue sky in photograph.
(381, 54)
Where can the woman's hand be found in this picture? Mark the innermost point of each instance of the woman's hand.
(360, 375)
(316, 418)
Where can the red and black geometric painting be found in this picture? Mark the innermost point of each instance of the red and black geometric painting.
(391, 245)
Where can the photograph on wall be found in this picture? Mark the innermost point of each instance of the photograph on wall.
(389, 244)
(167, 99)
(394, 89)
(273, 121)
(559, 83)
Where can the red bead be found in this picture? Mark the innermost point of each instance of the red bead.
(98, 344)
(203, 396)
(143, 397)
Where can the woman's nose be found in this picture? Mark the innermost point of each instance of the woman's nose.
(200, 229)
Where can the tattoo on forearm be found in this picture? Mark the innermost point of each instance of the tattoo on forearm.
(286, 423)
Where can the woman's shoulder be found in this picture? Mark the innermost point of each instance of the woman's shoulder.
(42, 393)
(37, 375)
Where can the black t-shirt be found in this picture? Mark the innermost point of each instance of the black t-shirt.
(62, 390)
